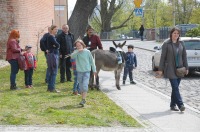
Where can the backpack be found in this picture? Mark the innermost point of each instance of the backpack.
(29, 60)
(43, 42)
(22, 62)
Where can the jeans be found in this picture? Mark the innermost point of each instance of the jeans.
(141, 37)
(28, 76)
(76, 84)
(128, 70)
(65, 65)
(83, 80)
(52, 76)
(47, 71)
(14, 70)
(175, 96)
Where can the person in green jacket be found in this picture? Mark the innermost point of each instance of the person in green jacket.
(84, 62)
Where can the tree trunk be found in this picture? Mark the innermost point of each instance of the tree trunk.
(80, 15)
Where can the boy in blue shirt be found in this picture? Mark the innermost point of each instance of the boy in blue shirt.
(130, 64)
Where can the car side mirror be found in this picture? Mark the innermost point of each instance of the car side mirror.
(156, 48)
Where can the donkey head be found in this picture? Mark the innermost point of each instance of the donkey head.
(119, 46)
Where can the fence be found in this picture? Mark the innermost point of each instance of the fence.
(160, 34)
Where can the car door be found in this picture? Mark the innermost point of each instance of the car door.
(193, 52)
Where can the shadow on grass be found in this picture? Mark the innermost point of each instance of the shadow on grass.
(71, 107)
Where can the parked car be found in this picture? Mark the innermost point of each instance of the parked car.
(192, 46)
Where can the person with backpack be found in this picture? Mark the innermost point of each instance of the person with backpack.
(43, 47)
(12, 55)
(30, 66)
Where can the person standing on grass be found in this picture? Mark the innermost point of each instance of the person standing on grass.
(43, 47)
(84, 62)
(91, 40)
(66, 41)
(12, 54)
(52, 59)
(173, 56)
(130, 64)
(30, 66)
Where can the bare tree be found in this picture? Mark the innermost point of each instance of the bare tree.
(79, 18)
(107, 10)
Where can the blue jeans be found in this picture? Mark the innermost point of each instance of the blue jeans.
(76, 84)
(83, 80)
(141, 37)
(175, 96)
(47, 71)
(52, 76)
(128, 70)
(28, 76)
(14, 70)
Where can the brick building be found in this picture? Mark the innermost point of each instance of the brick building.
(30, 17)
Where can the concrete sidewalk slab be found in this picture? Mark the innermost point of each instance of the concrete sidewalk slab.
(149, 107)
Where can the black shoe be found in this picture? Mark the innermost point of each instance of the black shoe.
(132, 82)
(69, 80)
(14, 87)
(182, 108)
(174, 108)
(53, 91)
(62, 81)
(124, 82)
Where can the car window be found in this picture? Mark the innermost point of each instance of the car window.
(192, 45)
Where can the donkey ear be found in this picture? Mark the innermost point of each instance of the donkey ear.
(114, 44)
(124, 43)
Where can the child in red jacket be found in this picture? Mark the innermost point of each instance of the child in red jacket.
(30, 66)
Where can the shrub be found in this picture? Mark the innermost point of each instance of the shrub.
(193, 32)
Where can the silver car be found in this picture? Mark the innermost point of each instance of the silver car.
(192, 46)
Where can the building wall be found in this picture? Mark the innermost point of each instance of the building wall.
(30, 17)
(61, 12)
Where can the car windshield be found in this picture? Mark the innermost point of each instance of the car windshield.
(192, 45)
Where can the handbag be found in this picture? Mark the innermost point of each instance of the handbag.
(22, 62)
(180, 72)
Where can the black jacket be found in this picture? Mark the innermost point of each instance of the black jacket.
(66, 47)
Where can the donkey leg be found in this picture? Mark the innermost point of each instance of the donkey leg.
(91, 81)
(117, 77)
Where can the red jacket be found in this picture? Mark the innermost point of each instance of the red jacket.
(13, 50)
(30, 61)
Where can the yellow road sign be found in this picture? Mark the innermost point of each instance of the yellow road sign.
(137, 3)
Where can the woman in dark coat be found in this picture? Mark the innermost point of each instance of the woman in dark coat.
(173, 56)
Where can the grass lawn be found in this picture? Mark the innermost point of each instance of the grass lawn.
(35, 106)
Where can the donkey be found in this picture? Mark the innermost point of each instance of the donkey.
(107, 61)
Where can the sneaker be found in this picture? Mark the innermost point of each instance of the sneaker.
(75, 93)
(132, 82)
(182, 108)
(54, 91)
(82, 103)
(174, 108)
(124, 82)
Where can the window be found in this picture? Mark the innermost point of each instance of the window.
(192, 45)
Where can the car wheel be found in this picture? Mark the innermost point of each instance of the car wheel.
(153, 66)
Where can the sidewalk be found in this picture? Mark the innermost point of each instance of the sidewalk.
(149, 107)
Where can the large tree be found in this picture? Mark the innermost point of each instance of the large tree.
(79, 18)
(107, 11)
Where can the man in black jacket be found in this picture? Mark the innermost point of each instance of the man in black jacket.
(66, 41)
